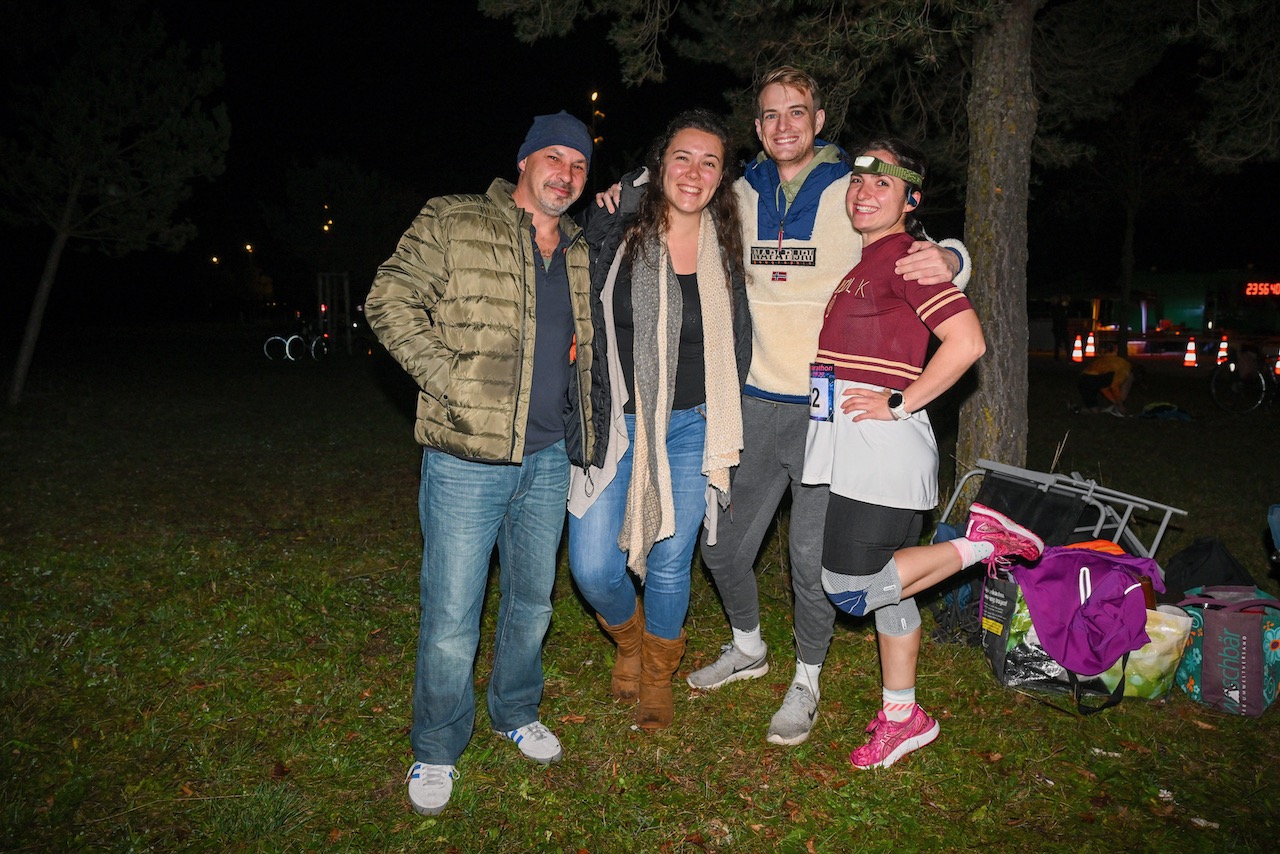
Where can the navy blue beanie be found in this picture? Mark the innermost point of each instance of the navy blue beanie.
(560, 129)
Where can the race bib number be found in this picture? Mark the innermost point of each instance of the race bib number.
(822, 391)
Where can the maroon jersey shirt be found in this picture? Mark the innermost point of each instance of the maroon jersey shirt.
(877, 324)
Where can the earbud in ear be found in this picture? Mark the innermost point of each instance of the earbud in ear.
(912, 200)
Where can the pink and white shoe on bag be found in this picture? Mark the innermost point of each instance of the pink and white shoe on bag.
(1011, 540)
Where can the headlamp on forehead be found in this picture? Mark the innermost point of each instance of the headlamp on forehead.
(868, 165)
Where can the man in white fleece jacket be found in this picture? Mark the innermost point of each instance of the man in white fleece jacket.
(798, 245)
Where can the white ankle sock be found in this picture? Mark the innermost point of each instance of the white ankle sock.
(899, 704)
(749, 641)
(971, 552)
(808, 675)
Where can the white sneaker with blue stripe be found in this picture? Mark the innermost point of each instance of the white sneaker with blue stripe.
(430, 787)
(536, 742)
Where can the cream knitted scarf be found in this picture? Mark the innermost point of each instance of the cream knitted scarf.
(657, 307)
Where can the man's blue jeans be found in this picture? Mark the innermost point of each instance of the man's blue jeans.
(600, 567)
(465, 508)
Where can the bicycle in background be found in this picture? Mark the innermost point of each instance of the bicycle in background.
(298, 346)
(1244, 380)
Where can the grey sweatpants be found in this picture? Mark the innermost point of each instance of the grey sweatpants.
(773, 435)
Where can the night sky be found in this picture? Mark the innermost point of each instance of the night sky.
(433, 96)
(439, 101)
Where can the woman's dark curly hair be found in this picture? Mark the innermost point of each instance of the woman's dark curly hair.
(651, 217)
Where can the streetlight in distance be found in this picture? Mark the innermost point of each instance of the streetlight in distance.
(596, 138)
(596, 117)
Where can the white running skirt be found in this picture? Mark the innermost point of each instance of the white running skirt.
(890, 463)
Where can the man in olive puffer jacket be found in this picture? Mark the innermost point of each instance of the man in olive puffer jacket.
(485, 303)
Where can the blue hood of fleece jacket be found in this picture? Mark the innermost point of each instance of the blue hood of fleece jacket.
(795, 223)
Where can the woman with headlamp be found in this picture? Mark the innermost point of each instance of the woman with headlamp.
(870, 439)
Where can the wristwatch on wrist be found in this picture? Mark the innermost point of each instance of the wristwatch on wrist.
(896, 409)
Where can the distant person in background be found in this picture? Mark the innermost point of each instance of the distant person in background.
(1061, 340)
(1108, 377)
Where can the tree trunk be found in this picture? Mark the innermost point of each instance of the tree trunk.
(36, 318)
(1002, 124)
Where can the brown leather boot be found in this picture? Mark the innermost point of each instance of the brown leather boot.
(659, 660)
(624, 683)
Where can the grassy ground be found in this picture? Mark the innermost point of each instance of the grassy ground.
(209, 565)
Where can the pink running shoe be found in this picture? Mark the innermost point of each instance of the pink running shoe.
(891, 740)
(1011, 540)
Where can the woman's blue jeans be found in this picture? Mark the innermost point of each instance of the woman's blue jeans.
(465, 508)
(599, 567)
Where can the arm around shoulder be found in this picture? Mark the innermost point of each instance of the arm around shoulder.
(932, 263)
(962, 276)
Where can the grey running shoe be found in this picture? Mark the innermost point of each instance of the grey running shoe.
(793, 721)
(732, 665)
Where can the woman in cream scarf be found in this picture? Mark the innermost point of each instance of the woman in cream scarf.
(673, 337)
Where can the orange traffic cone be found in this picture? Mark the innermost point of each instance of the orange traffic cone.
(1189, 360)
(1277, 366)
(1089, 350)
(1077, 354)
(1222, 350)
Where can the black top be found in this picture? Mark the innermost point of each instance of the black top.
(690, 373)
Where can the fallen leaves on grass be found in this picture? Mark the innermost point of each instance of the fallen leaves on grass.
(694, 838)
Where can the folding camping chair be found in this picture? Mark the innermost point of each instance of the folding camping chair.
(1060, 508)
